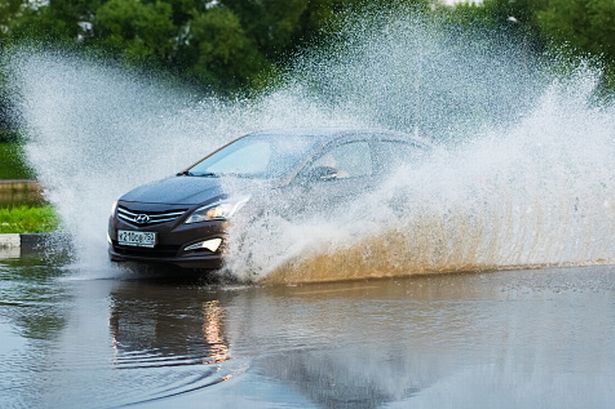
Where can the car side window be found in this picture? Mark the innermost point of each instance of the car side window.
(349, 160)
(392, 154)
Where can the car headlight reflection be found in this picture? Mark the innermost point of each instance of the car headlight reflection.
(222, 210)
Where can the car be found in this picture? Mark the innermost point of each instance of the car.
(184, 219)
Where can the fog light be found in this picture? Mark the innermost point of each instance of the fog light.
(211, 245)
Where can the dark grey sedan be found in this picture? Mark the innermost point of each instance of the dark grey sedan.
(183, 220)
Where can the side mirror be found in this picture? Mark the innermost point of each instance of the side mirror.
(322, 173)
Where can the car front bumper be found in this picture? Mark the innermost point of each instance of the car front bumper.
(172, 240)
(212, 261)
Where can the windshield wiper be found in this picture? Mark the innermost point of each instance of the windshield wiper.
(205, 175)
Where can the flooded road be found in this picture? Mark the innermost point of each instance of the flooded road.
(518, 339)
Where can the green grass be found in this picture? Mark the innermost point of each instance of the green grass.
(12, 165)
(26, 219)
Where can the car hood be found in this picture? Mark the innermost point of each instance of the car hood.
(184, 190)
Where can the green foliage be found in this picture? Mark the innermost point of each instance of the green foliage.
(56, 22)
(222, 53)
(237, 45)
(10, 10)
(572, 27)
(226, 45)
(517, 18)
(12, 165)
(588, 25)
(25, 219)
(139, 32)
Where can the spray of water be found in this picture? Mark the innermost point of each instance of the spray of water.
(95, 131)
(521, 175)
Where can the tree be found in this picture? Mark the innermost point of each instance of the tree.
(271, 24)
(588, 25)
(59, 21)
(137, 31)
(221, 53)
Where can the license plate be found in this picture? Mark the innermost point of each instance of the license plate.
(136, 238)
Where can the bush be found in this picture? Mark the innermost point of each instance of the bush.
(12, 165)
(7, 135)
(26, 219)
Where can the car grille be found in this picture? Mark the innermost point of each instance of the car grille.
(159, 251)
(141, 218)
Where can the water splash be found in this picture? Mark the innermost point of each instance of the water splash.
(95, 132)
(535, 193)
(522, 174)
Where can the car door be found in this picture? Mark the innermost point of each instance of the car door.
(337, 175)
(391, 156)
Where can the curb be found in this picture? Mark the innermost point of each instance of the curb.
(8, 241)
(16, 245)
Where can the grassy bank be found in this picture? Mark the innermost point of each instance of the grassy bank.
(12, 165)
(26, 219)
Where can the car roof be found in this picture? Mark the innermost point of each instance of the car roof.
(330, 134)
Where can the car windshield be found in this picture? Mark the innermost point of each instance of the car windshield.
(255, 156)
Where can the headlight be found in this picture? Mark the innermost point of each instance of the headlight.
(113, 208)
(222, 210)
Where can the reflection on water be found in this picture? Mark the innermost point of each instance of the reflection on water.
(152, 330)
(158, 330)
(513, 339)
(212, 331)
